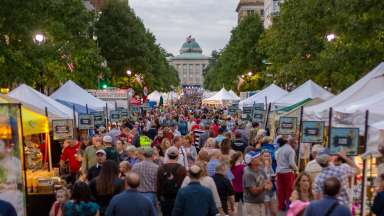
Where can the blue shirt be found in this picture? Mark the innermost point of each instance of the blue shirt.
(320, 207)
(193, 200)
(80, 209)
(130, 202)
(7, 209)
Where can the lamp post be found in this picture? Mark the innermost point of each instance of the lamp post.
(129, 73)
(39, 39)
(331, 37)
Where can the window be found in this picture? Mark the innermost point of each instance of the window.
(261, 12)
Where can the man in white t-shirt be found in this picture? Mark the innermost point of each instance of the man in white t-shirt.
(313, 168)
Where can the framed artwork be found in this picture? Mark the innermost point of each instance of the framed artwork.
(287, 125)
(115, 116)
(312, 132)
(344, 138)
(86, 122)
(99, 118)
(62, 129)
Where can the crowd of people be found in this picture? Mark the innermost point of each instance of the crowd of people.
(199, 161)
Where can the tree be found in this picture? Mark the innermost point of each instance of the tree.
(127, 45)
(298, 49)
(240, 56)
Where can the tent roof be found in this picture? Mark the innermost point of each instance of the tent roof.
(234, 94)
(374, 104)
(272, 93)
(29, 95)
(378, 125)
(370, 84)
(308, 90)
(78, 108)
(71, 92)
(154, 96)
(220, 97)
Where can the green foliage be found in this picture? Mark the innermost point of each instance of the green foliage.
(239, 56)
(127, 45)
(66, 26)
(296, 43)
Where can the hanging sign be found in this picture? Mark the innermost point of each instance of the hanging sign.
(124, 114)
(62, 129)
(86, 122)
(99, 118)
(287, 125)
(312, 132)
(344, 139)
(115, 116)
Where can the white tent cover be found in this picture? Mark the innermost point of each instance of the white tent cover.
(272, 93)
(155, 96)
(208, 94)
(308, 90)
(234, 94)
(220, 98)
(367, 86)
(73, 93)
(29, 95)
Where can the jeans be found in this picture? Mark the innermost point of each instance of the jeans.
(151, 196)
(167, 207)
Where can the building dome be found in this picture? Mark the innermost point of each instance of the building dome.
(190, 46)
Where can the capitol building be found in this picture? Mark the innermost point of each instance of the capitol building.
(190, 64)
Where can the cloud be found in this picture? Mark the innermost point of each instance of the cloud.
(209, 21)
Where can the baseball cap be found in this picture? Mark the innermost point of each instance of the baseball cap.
(172, 151)
(323, 157)
(101, 151)
(252, 155)
(107, 139)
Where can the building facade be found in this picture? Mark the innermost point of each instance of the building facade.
(249, 7)
(190, 64)
(271, 9)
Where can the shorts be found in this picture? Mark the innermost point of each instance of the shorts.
(269, 196)
(239, 197)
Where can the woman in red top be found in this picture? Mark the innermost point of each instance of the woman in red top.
(237, 169)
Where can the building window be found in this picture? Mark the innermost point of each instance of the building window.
(261, 12)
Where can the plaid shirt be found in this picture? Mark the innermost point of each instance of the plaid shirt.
(148, 175)
(342, 172)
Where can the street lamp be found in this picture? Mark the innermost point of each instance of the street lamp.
(39, 39)
(249, 73)
(129, 72)
(331, 37)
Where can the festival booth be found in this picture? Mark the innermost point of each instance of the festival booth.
(155, 97)
(234, 94)
(221, 98)
(71, 93)
(208, 94)
(170, 97)
(268, 95)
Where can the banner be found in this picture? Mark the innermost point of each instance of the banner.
(344, 139)
(98, 118)
(62, 129)
(312, 132)
(287, 125)
(86, 122)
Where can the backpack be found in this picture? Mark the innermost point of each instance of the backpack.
(168, 184)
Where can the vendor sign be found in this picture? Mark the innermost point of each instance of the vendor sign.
(115, 116)
(287, 125)
(258, 113)
(247, 113)
(62, 129)
(312, 132)
(233, 109)
(86, 122)
(344, 139)
(124, 114)
(99, 118)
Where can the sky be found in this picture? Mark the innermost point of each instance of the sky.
(208, 21)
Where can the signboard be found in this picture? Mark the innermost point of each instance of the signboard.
(98, 118)
(247, 113)
(312, 132)
(233, 109)
(344, 138)
(124, 114)
(62, 129)
(287, 125)
(86, 122)
(115, 116)
(258, 112)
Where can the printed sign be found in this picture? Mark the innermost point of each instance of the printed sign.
(312, 132)
(62, 129)
(98, 118)
(344, 139)
(124, 114)
(287, 125)
(86, 122)
(247, 113)
(233, 109)
(115, 116)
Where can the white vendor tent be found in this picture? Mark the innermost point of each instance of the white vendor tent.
(308, 90)
(223, 97)
(367, 86)
(29, 95)
(271, 93)
(208, 94)
(375, 137)
(170, 97)
(155, 96)
(234, 94)
(71, 92)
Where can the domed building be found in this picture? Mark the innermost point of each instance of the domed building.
(190, 64)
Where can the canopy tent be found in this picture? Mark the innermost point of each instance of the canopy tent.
(78, 108)
(71, 92)
(234, 94)
(169, 97)
(29, 95)
(34, 121)
(375, 137)
(367, 86)
(154, 96)
(308, 90)
(271, 94)
(223, 97)
(208, 94)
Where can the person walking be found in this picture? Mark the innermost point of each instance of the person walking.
(130, 201)
(237, 169)
(224, 188)
(112, 154)
(286, 168)
(94, 171)
(194, 199)
(147, 171)
(106, 185)
(169, 179)
(89, 155)
(328, 205)
(80, 203)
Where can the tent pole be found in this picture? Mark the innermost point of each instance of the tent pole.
(330, 126)
(86, 108)
(106, 114)
(299, 135)
(267, 118)
(364, 182)
(48, 145)
(23, 150)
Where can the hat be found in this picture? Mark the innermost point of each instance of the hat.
(107, 139)
(323, 157)
(172, 151)
(317, 148)
(252, 155)
(101, 151)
